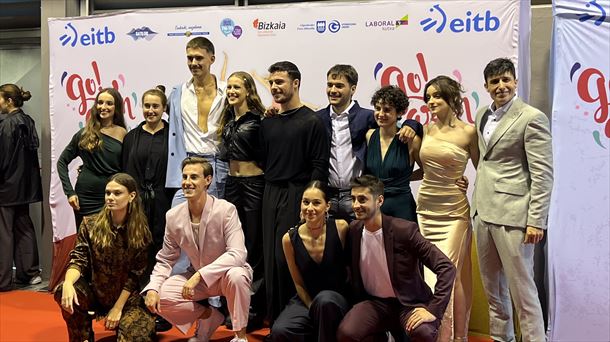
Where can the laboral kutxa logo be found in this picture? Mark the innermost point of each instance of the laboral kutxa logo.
(268, 28)
(93, 36)
(143, 32)
(469, 22)
(387, 24)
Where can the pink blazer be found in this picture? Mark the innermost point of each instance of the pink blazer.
(221, 242)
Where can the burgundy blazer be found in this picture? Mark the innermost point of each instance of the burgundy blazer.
(406, 250)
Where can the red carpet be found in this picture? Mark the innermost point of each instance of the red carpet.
(34, 316)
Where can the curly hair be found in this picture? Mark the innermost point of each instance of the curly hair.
(393, 96)
(91, 138)
(450, 90)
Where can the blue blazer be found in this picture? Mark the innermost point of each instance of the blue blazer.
(360, 121)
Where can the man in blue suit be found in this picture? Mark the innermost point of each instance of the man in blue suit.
(346, 125)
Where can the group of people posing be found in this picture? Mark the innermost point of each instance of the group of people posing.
(305, 218)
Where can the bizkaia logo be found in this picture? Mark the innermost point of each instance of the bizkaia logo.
(268, 25)
(100, 36)
(477, 22)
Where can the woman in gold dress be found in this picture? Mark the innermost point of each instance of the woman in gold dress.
(442, 207)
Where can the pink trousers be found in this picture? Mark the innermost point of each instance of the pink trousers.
(234, 285)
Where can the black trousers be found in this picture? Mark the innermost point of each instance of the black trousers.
(370, 319)
(18, 244)
(246, 193)
(318, 323)
(281, 203)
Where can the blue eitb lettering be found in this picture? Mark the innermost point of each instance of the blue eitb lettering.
(478, 22)
(100, 36)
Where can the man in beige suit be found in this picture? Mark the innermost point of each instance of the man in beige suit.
(511, 202)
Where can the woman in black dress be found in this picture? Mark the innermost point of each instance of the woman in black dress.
(240, 146)
(315, 257)
(99, 146)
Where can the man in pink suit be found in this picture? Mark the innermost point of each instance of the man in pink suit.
(208, 230)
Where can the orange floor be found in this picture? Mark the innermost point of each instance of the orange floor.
(34, 316)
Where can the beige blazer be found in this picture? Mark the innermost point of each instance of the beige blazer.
(221, 242)
(515, 172)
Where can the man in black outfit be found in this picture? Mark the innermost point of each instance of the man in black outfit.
(295, 151)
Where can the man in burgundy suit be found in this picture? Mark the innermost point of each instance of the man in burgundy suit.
(386, 273)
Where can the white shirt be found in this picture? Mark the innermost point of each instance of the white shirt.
(343, 162)
(195, 140)
(374, 265)
(494, 119)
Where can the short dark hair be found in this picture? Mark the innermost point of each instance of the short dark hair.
(450, 91)
(207, 167)
(393, 96)
(345, 70)
(201, 43)
(372, 183)
(498, 67)
(289, 67)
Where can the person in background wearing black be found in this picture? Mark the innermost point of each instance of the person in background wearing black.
(20, 185)
(145, 159)
(295, 151)
(240, 146)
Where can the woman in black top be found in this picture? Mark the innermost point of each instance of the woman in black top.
(99, 146)
(20, 185)
(145, 159)
(315, 257)
(239, 127)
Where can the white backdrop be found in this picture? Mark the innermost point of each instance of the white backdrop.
(579, 242)
(388, 42)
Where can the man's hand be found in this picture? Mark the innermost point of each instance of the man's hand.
(188, 291)
(406, 134)
(113, 318)
(271, 112)
(462, 183)
(153, 301)
(533, 235)
(419, 316)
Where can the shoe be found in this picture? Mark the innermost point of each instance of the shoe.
(207, 327)
(237, 339)
(162, 325)
(255, 322)
(267, 338)
(35, 280)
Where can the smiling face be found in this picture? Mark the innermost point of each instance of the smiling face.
(199, 61)
(365, 204)
(282, 86)
(105, 107)
(194, 183)
(339, 91)
(314, 207)
(236, 91)
(501, 88)
(117, 197)
(385, 114)
(436, 104)
(152, 109)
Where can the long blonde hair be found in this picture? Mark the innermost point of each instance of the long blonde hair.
(91, 138)
(138, 234)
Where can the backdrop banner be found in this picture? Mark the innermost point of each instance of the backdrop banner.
(579, 253)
